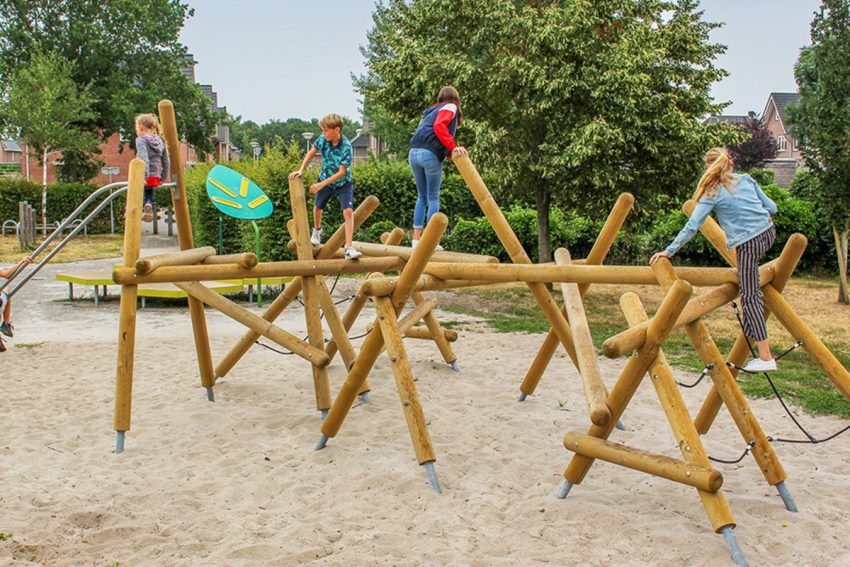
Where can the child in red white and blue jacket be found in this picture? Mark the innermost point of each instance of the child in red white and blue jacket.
(432, 142)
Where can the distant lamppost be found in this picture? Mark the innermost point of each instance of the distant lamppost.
(256, 147)
(307, 136)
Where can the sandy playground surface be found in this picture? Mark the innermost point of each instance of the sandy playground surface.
(238, 483)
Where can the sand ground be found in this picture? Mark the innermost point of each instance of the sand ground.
(237, 482)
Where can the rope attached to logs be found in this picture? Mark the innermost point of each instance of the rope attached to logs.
(810, 439)
(322, 316)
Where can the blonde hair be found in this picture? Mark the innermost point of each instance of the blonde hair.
(450, 94)
(331, 121)
(718, 172)
(148, 121)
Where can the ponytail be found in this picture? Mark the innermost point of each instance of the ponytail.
(718, 172)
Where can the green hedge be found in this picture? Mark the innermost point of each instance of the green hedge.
(62, 199)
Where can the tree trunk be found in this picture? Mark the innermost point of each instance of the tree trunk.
(44, 192)
(544, 241)
(840, 235)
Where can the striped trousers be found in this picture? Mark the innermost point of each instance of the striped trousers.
(752, 300)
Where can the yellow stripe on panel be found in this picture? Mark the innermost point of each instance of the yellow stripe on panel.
(226, 202)
(257, 202)
(222, 187)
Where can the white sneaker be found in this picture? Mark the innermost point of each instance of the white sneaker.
(757, 365)
(413, 244)
(316, 238)
(439, 248)
(351, 253)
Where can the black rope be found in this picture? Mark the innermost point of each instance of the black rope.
(810, 439)
(706, 369)
(750, 445)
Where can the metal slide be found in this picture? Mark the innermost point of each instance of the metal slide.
(114, 190)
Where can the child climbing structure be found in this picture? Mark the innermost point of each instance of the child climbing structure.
(424, 269)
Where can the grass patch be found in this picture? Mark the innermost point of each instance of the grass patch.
(92, 247)
(511, 308)
(29, 345)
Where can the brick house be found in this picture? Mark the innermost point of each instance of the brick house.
(788, 156)
(11, 158)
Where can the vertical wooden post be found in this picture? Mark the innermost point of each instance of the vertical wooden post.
(127, 309)
(594, 389)
(728, 388)
(321, 380)
(631, 376)
(186, 240)
(293, 288)
(687, 438)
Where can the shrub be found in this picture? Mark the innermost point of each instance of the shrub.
(763, 176)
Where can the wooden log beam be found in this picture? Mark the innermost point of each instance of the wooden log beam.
(244, 259)
(181, 258)
(631, 376)
(287, 340)
(291, 291)
(597, 255)
(595, 392)
(703, 478)
(687, 438)
(582, 274)
(170, 274)
(734, 399)
(375, 250)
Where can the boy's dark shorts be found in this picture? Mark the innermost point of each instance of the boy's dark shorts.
(345, 194)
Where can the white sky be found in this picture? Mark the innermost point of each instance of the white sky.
(289, 58)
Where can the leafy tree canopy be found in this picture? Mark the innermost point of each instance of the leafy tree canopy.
(567, 101)
(821, 120)
(283, 132)
(126, 54)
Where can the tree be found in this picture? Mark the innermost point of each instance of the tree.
(284, 132)
(48, 108)
(569, 102)
(821, 120)
(757, 149)
(127, 55)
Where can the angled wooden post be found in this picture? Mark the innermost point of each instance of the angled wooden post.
(127, 310)
(631, 376)
(515, 250)
(185, 238)
(293, 288)
(734, 399)
(597, 255)
(595, 392)
(374, 342)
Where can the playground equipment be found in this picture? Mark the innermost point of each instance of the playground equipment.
(425, 269)
(237, 196)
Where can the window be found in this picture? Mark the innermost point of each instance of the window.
(796, 144)
(782, 143)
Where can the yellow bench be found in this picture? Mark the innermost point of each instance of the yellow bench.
(167, 290)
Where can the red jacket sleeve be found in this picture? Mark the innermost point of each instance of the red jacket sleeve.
(441, 128)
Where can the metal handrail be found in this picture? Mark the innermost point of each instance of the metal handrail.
(121, 189)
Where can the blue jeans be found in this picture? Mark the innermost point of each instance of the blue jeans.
(428, 173)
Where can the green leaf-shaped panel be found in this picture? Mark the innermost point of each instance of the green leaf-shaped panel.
(237, 196)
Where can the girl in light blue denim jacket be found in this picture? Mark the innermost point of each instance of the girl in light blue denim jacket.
(744, 213)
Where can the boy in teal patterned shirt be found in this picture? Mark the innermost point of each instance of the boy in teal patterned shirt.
(334, 179)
